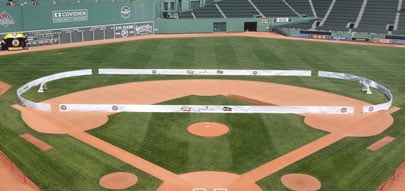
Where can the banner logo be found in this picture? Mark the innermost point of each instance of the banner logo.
(143, 29)
(125, 12)
(74, 15)
(6, 19)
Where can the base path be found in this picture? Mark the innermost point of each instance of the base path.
(152, 92)
(37, 142)
(396, 182)
(12, 178)
(380, 143)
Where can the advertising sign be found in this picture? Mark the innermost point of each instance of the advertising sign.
(6, 19)
(143, 29)
(125, 30)
(282, 19)
(73, 15)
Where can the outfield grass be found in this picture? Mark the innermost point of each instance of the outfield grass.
(72, 165)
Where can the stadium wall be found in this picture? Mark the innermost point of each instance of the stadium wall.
(78, 16)
(28, 18)
(205, 25)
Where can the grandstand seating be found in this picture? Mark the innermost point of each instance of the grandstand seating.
(375, 18)
(274, 8)
(377, 15)
(401, 24)
(343, 12)
(301, 25)
(186, 15)
(321, 7)
(237, 8)
(302, 7)
(209, 11)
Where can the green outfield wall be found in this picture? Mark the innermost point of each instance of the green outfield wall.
(28, 18)
(59, 16)
(206, 25)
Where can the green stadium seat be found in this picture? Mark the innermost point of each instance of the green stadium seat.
(378, 15)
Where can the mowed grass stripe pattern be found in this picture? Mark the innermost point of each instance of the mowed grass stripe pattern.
(252, 140)
(360, 169)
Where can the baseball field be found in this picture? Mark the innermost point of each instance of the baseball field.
(162, 138)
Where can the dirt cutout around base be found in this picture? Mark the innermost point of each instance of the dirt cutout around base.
(380, 143)
(118, 180)
(4, 88)
(208, 129)
(36, 142)
(301, 182)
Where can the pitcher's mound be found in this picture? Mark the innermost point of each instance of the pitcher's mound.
(118, 180)
(208, 129)
(301, 182)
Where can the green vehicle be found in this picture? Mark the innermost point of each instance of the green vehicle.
(14, 41)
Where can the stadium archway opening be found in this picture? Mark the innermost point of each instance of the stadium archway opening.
(250, 26)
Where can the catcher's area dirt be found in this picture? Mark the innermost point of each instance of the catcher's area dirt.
(75, 124)
(152, 92)
(4, 87)
(118, 180)
(36, 142)
(208, 129)
(301, 182)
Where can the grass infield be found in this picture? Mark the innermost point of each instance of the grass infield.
(162, 138)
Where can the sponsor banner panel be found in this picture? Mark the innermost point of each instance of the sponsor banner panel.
(204, 72)
(282, 19)
(145, 28)
(399, 41)
(300, 35)
(318, 36)
(382, 41)
(124, 30)
(343, 38)
(375, 108)
(360, 39)
(88, 33)
(72, 15)
(206, 109)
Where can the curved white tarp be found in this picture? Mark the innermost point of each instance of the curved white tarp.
(219, 72)
(207, 108)
(43, 80)
(365, 81)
